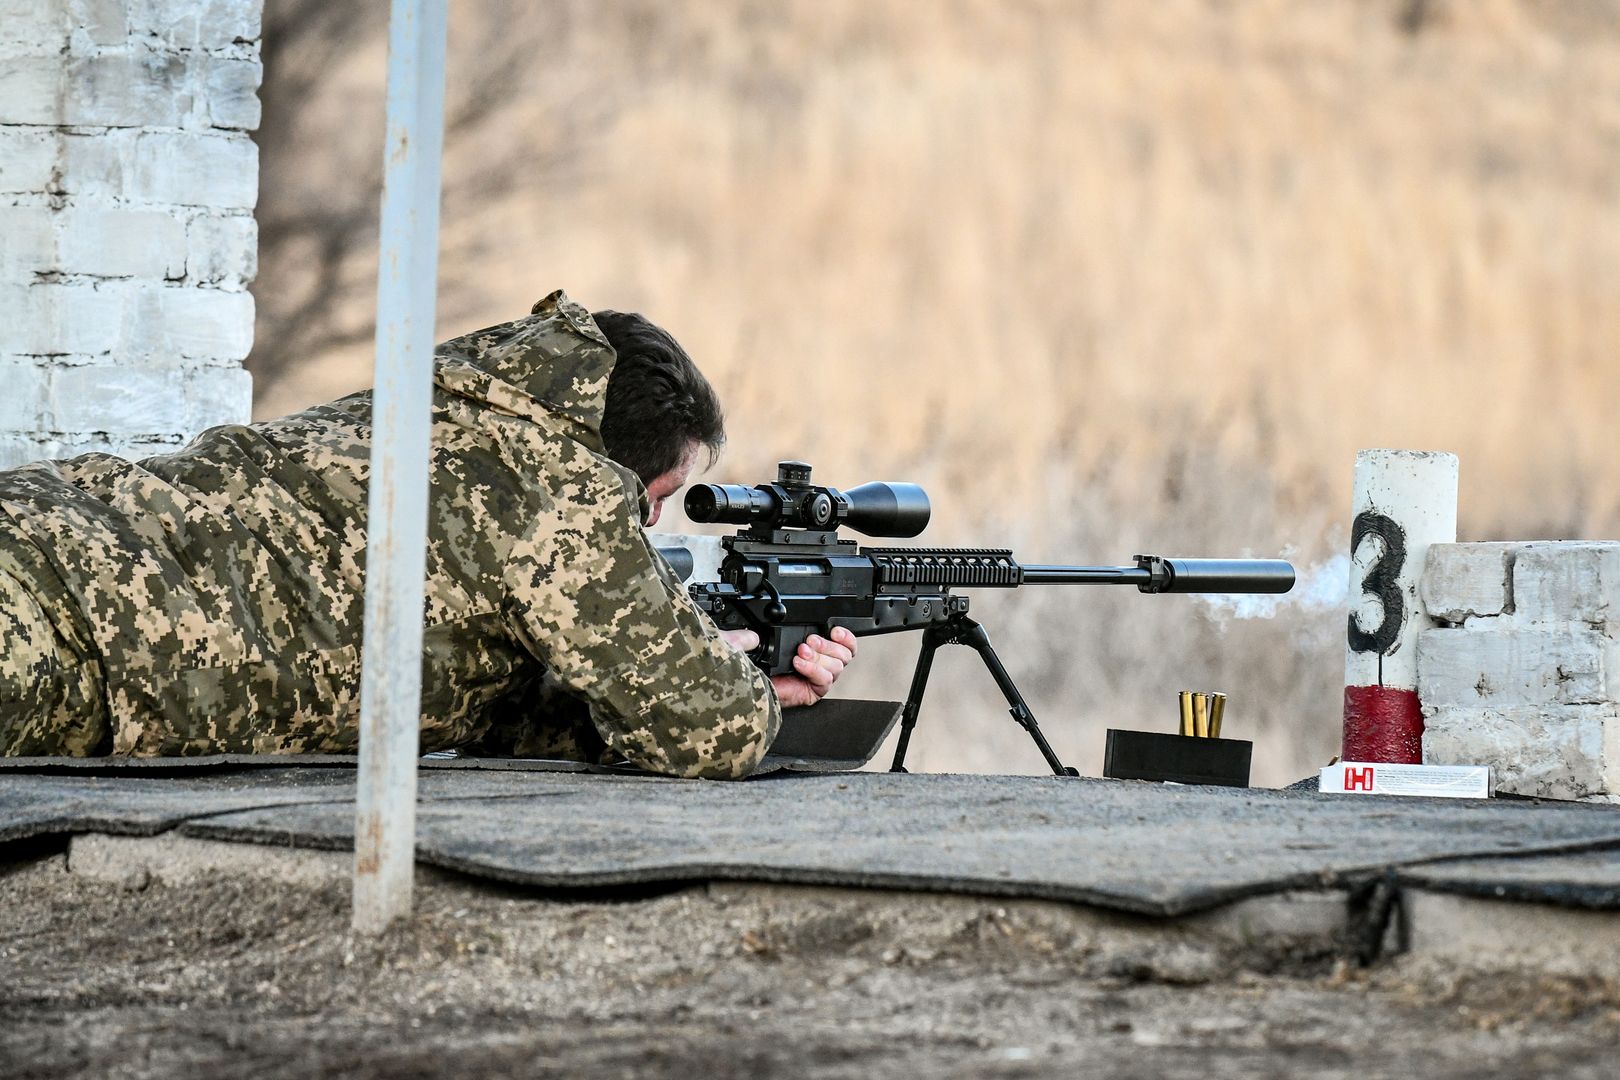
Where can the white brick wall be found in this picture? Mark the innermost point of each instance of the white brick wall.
(127, 240)
(1526, 676)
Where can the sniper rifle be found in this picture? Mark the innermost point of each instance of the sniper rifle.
(788, 575)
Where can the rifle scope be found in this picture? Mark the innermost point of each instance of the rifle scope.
(792, 502)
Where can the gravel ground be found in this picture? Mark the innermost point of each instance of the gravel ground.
(231, 975)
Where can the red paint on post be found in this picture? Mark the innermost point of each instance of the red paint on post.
(1382, 723)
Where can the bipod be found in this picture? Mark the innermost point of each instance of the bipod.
(961, 630)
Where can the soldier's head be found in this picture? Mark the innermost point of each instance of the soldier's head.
(661, 413)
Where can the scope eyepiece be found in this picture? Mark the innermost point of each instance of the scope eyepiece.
(727, 502)
(792, 502)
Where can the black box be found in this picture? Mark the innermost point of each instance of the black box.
(1180, 759)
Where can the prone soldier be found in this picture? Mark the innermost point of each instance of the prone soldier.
(211, 600)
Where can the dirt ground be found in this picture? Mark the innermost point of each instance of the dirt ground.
(235, 976)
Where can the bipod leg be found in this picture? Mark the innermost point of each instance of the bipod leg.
(933, 637)
(972, 634)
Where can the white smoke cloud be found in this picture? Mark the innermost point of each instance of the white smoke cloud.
(1320, 587)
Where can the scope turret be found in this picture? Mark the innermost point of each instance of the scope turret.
(793, 502)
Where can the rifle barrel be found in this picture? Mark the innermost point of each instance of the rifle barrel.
(1086, 575)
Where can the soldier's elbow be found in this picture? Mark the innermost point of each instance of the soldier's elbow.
(733, 750)
(737, 765)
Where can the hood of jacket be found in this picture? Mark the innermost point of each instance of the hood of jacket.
(552, 364)
(551, 367)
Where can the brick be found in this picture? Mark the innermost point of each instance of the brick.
(1551, 752)
(188, 169)
(129, 90)
(117, 398)
(34, 26)
(209, 323)
(99, 22)
(186, 323)
(45, 319)
(23, 400)
(214, 169)
(28, 86)
(28, 159)
(1464, 581)
(231, 92)
(197, 24)
(218, 395)
(1543, 665)
(1567, 581)
(28, 242)
(96, 166)
(123, 243)
(116, 90)
(222, 250)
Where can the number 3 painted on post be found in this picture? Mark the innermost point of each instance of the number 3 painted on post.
(1382, 581)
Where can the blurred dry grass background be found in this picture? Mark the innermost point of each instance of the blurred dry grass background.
(1105, 277)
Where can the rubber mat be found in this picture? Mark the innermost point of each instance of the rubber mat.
(228, 763)
(1139, 847)
(838, 735)
(138, 803)
(1587, 879)
(34, 805)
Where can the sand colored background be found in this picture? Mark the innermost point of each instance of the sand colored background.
(1104, 277)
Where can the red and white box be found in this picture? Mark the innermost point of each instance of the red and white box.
(1388, 778)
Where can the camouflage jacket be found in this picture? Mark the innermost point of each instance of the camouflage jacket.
(220, 588)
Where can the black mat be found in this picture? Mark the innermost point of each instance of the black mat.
(48, 805)
(1138, 847)
(228, 763)
(838, 735)
(138, 803)
(1587, 880)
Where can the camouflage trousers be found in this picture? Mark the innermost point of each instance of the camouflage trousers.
(52, 699)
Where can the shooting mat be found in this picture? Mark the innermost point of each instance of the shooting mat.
(1139, 847)
(1587, 879)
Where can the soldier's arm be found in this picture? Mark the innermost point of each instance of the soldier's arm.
(593, 602)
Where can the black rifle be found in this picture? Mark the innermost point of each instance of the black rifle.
(788, 575)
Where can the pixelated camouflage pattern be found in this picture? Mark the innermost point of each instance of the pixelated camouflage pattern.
(51, 698)
(216, 594)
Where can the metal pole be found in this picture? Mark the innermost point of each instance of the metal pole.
(396, 518)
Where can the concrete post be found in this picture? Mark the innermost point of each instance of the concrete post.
(1404, 501)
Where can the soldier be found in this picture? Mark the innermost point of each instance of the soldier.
(211, 600)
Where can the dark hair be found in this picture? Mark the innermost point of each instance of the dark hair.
(658, 402)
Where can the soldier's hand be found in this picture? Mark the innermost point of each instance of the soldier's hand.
(818, 664)
(746, 640)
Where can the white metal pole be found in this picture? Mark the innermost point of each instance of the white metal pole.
(396, 518)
